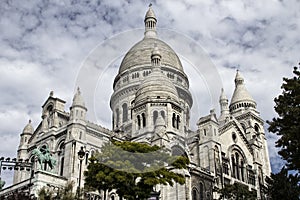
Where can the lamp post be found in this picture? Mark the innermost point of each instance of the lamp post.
(16, 164)
(81, 154)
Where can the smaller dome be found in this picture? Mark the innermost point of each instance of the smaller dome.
(241, 93)
(156, 85)
(78, 99)
(28, 128)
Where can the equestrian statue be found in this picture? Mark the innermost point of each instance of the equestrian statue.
(44, 158)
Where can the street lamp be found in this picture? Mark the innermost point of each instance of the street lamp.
(15, 164)
(81, 154)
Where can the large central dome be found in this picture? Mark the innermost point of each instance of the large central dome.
(133, 86)
(140, 53)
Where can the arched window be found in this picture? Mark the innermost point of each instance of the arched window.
(117, 117)
(155, 115)
(139, 121)
(217, 160)
(242, 170)
(238, 165)
(177, 121)
(233, 166)
(174, 120)
(256, 128)
(144, 119)
(194, 194)
(201, 191)
(50, 115)
(162, 114)
(237, 158)
(125, 112)
(61, 154)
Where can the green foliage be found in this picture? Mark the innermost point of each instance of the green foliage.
(283, 186)
(66, 193)
(133, 169)
(287, 125)
(237, 191)
(45, 193)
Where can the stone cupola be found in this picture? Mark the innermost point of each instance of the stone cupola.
(78, 109)
(241, 98)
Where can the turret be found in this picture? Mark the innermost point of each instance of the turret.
(78, 109)
(241, 99)
(224, 107)
(25, 135)
(209, 148)
(23, 152)
(156, 96)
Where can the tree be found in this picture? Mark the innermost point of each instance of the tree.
(133, 169)
(287, 124)
(65, 193)
(237, 191)
(45, 193)
(283, 186)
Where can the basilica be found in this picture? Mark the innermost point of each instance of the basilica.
(151, 103)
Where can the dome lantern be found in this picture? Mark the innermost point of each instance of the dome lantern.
(155, 57)
(150, 23)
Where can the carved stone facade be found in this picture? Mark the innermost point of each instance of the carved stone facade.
(151, 103)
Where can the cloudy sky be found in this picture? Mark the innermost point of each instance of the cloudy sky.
(46, 44)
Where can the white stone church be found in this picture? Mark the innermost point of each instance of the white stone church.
(151, 103)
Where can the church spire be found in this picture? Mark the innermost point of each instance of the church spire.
(150, 23)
